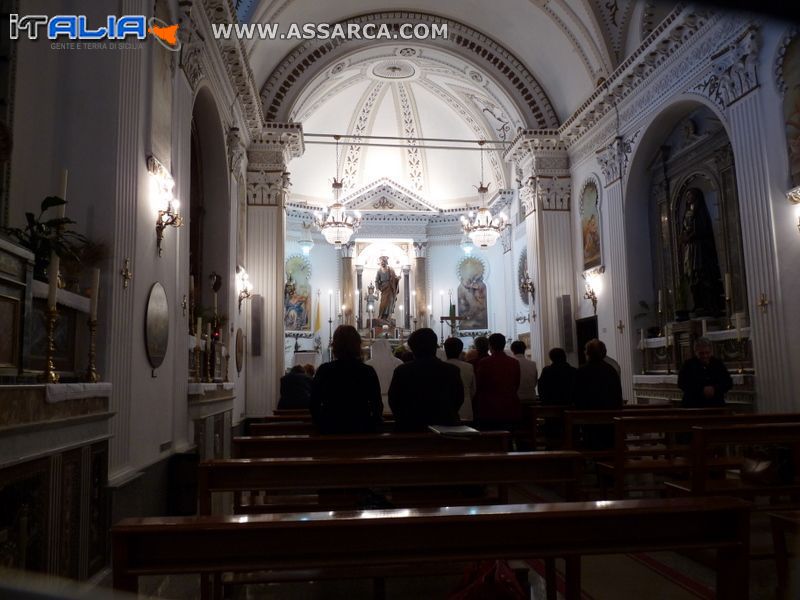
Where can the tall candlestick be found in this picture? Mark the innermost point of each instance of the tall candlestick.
(339, 298)
(208, 336)
(727, 286)
(215, 305)
(441, 303)
(62, 209)
(705, 327)
(330, 304)
(198, 331)
(52, 280)
(737, 318)
(95, 290)
(660, 306)
(641, 338)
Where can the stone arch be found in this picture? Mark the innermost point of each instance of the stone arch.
(287, 80)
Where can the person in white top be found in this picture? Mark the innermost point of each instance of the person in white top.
(528, 373)
(384, 363)
(453, 348)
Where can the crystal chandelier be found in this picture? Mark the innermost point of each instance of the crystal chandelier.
(481, 227)
(334, 223)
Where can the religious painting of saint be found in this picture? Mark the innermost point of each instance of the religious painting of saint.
(699, 260)
(791, 107)
(590, 226)
(472, 294)
(297, 294)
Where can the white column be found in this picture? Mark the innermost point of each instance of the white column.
(771, 359)
(129, 173)
(267, 190)
(616, 278)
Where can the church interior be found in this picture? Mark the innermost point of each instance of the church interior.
(189, 211)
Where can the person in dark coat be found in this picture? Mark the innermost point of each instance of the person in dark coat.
(346, 393)
(496, 404)
(425, 391)
(704, 378)
(557, 381)
(597, 387)
(481, 348)
(295, 389)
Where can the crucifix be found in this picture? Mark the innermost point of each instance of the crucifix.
(126, 273)
(763, 303)
(621, 326)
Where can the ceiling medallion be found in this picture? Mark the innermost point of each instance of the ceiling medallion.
(393, 70)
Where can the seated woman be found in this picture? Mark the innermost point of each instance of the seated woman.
(295, 389)
(346, 393)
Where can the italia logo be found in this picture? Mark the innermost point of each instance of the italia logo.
(76, 27)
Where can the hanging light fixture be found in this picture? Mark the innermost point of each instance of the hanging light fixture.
(334, 223)
(306, 244)
(481, 227)
(467, 246)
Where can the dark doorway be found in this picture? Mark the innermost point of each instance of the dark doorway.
(586, 329)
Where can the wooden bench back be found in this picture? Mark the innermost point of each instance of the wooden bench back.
(707, 440)
(210, 544)
(575, 418)
(300, 474)
(367, 444)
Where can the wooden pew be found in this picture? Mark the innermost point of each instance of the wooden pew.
(437, 473)
(298, 412)
(578, 418)
(707, 441)
(366, 539)
(288, 446)
(297, 428)
(651, 444)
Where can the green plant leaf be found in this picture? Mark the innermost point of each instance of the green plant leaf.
(51, 201)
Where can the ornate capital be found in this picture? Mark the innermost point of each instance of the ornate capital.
(348, 249)
(278, 143)
(267, 188)
(420, 249)
(614, 158)
(733, 71)
(555, 193)
(527, 195)
(235, 150)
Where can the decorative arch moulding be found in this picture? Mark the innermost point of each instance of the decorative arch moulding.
(297, 68)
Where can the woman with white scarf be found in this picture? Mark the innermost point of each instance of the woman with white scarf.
(384, 363)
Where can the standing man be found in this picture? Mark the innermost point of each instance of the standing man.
(704, 379)
(528, 374)
(387, 281)
(425, 391)
(497, 381)
(452, 348)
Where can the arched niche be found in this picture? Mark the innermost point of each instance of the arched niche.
(209, 209)
(684, 148)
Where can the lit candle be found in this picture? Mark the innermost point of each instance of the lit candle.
(705, 327)
(441, 303)
(641, 338)
(95, 289)
(330, 304)
(727, 286)
(52, 280)
(660, 307)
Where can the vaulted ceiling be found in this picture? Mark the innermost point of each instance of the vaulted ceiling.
(506, 65)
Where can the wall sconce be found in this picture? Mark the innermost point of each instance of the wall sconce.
(528, 287)
(591, 296)
(244, 285)
(161, 186)
(794, 197)
(523, 318)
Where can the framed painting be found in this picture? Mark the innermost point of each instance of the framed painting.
(297, 294)
(590, 226)
(472, 296)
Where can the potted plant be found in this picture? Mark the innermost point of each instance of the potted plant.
(44, 236)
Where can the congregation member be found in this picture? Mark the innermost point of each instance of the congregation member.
(346, 393)
(528, 374)
(453, 347)
(384, 363)
(557, 381)
(704, 378)
(425, 391)
(295, 389)
(597, 387)
(309, 369)
(481, 347)
(497, 377)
